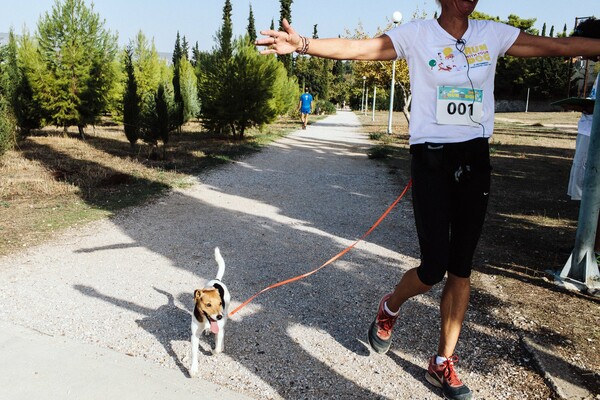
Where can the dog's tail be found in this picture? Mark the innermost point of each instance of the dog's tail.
(220, 263)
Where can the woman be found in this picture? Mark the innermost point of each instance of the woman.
(452, 62)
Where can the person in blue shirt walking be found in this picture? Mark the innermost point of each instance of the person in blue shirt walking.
(305, 106)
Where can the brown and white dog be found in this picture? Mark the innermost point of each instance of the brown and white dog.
(211, 306)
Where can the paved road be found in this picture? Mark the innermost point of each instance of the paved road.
(103, 310)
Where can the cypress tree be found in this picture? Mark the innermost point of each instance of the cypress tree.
(286, 13)
(131, 101)
(225, 34)
(251, 26)
(185, 48)
(177, 56)
(195, 54)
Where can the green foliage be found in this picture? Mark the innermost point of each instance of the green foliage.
(251, 26)
(244, 91)
(324, 107)
(77, 55)
(23, 63)
(131, 101)
(316, 74)
(286, 91)
(225, 33)
(7, 126)
(158, 117)
(189, 90)
(546, 77)
(147, 67)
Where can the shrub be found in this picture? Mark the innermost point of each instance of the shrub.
(324, 107)
(7, 127)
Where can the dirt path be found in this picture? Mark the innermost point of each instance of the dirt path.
(126, 283)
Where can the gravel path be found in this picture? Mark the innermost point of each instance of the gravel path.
(126, 283)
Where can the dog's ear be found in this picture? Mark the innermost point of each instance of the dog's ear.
(197, 294)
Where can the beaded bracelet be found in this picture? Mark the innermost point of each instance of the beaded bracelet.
(305, 44)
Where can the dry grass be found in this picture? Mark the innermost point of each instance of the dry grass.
(53, 180)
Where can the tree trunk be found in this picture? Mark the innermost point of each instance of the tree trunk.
(81, 132)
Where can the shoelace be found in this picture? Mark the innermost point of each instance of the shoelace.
(386, 322)
(449, 372)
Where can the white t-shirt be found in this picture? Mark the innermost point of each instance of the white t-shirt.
(442, 69)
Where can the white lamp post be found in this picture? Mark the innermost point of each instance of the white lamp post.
(362, 103)
(396, 17)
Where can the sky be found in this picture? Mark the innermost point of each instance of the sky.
(199, 20)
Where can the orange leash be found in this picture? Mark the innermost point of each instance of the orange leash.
(340, 254)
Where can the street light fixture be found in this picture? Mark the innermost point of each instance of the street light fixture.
(397, 18)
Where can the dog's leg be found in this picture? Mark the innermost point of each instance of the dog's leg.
(206, 327)
(195, 343)
(219, 336)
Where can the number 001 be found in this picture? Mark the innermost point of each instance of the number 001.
(461, 108)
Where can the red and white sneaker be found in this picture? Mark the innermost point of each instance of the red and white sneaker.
(380, 331)
(444, 376)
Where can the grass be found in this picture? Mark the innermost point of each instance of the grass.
(52, 181)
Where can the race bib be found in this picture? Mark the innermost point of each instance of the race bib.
(459, 106)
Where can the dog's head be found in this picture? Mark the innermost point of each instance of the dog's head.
(209, 302)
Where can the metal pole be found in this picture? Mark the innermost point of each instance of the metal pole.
(397, 18)
(582, 266)
(527, 103)
(393, 86)
(366, 102)
(362, 99)
(374, 100)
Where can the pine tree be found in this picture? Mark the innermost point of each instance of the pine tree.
(19, 93)
(7, 126)
(257, 89)
(251, 26)
(78, 55)
(147, 66)
(158, 120)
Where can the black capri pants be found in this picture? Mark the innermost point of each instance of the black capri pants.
(451, 185)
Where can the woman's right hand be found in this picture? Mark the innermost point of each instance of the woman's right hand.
(280, 42)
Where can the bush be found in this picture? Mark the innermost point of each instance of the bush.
(7, 128)
(324, 107)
